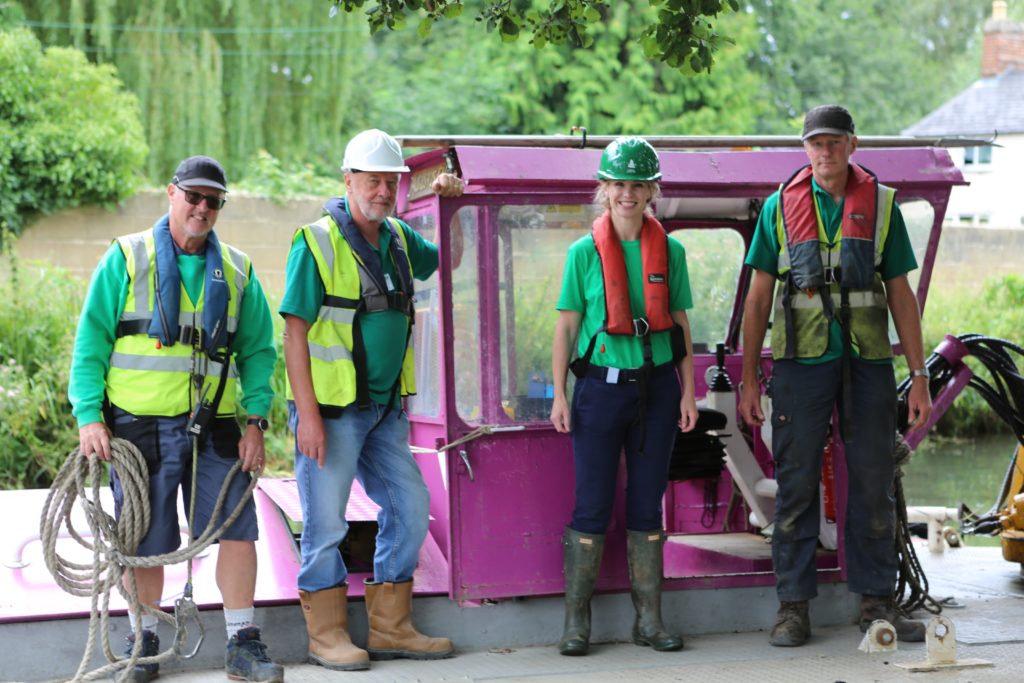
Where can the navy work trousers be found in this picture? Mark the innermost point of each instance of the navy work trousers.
(604, 423)
(803, 398)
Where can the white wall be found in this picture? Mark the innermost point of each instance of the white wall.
(995, 196)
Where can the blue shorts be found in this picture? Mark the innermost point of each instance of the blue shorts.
(167, 449)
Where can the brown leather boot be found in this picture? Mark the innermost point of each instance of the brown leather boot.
(792, 625)
(330, 646)
(874, 607)
(392, 635)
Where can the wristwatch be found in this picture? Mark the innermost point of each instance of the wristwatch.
(261, 423)
(920, 372)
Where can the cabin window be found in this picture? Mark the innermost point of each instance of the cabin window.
(425, 340)
(466, 316)
(504, 295)
(714, 259)
(919, 216)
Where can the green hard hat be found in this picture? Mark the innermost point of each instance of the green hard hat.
(629, 159)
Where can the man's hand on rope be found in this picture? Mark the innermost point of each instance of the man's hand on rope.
(94, 438)
(251, 449)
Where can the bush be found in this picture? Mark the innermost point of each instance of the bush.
(70, 134)
(37, 430)
(268, 177)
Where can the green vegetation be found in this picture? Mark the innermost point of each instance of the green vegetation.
(997, 311)
(232, 78)
(267, 176)
(69, 132)
(680, 35)
(37, 429)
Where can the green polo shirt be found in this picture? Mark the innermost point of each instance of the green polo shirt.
(583, 291)
(897, 252)
(384, 332)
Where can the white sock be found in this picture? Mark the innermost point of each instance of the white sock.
(149, 622)
(237, 619)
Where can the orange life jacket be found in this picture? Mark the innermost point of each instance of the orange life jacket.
(654, 255)
(800, 223)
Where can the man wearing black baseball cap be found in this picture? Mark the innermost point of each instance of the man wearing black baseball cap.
(200, 171)
(151, 365)
(838, 271)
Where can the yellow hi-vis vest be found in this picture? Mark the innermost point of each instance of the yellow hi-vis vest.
(330, 338)
(148, 379)
(805, 268)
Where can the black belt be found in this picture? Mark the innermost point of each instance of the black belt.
(627, 376)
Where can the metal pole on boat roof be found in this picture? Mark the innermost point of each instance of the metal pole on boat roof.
(671, 141)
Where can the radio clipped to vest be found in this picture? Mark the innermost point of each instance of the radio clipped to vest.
(205, 410)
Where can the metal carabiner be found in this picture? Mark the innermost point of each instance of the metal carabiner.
(185, 609)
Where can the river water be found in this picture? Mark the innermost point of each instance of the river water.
(948, 472)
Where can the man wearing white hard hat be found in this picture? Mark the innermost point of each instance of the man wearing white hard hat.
(349, 290)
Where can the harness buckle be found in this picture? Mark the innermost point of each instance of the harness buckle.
(832, 275)
(376, 302)
(641, 327)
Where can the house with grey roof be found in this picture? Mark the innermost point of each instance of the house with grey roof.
(992, 108)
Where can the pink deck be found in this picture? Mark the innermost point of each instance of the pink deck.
(30, 593)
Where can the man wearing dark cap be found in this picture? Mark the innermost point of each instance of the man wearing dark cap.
(833, 245)
(175, 333)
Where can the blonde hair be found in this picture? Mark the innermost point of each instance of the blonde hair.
(601, 195)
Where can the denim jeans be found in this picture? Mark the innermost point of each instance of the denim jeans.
(604, 424)
(382, 461)
(803, 398)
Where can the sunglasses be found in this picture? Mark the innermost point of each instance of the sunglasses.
(212, 201)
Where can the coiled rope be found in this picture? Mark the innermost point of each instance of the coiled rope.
(113, 544)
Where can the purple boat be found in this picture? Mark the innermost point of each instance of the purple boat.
(501, 478)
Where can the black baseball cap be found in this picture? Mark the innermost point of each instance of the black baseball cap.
(200, 171)
(827, 119)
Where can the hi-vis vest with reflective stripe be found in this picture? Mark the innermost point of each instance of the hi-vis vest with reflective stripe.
(808, 262)
(330, 337)
(148, 380)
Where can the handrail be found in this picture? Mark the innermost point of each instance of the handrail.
(676, 141)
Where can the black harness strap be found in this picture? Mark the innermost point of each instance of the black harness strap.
(844, 324)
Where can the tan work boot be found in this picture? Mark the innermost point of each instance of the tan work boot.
(792, 625)
(330, 646)
(874, 607)
(392, 635)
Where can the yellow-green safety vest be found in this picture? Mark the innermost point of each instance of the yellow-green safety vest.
(330, 338)
(146, 378)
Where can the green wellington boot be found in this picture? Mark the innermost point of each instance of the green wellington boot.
(582, 562)
(646, 571)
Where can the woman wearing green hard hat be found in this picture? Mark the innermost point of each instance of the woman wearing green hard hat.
(623, 309)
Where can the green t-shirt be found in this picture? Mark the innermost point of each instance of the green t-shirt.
(897, 252)
(384, 332)
(583, 291)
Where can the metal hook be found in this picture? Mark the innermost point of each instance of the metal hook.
(580, 129)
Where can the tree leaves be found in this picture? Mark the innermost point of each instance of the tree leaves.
(683, 36)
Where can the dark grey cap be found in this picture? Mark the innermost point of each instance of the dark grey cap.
(828, 119)
(200, 171)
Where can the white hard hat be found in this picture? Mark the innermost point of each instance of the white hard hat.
(374, 150)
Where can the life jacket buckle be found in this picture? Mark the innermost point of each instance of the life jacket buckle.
(187, 334)
(832, 275)
(641, 327)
